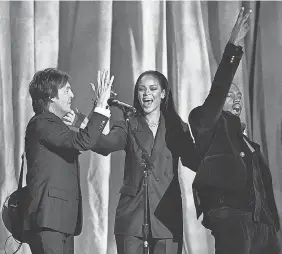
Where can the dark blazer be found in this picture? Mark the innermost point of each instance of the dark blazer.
(217, 133)
(52, 151)
(164, 151)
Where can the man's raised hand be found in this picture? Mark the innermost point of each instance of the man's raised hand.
(241, 27)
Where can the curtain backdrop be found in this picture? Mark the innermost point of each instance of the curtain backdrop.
(184, 40)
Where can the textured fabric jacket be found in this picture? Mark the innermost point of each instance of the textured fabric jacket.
(216, 134)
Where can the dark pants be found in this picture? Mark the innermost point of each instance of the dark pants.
(235, 232)
(134, 245)
(51, 242)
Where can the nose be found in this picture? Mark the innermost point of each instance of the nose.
(71, 94)
(238, 98)
(146, 91)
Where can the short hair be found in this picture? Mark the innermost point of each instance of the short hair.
(44, 86)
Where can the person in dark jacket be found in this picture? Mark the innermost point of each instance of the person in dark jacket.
(165, 138)
(233, 185)
(54, 212)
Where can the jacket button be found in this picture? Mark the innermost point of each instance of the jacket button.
(158, 179)
(232, 59)
(242, 154)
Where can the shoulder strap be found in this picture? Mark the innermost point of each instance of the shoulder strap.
(20, 185)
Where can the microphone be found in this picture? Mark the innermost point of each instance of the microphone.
(121, 105)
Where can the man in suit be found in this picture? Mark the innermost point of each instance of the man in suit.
(54, 212)
(233, 185)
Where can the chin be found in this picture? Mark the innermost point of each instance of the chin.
(67, 111)
(148, 111)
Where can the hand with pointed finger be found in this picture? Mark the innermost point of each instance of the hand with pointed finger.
(241, 27)
(103, 90)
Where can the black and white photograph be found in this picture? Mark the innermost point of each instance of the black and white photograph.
(140, 127)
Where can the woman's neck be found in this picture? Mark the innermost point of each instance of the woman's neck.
(153, 117)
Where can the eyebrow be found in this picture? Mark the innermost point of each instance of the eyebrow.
(149, 85)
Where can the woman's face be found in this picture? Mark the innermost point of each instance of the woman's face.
(150, 94)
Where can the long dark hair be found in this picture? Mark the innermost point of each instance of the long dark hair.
(172, 118)
(176, 130)
(166, 103)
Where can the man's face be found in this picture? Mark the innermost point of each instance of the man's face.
(233, 102)
(62, 102)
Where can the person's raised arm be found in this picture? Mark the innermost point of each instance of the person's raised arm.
(76, 119)
(54, 134)
(207, 115)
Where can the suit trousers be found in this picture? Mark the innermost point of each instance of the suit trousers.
(134, 245)
(47, 241)
(235, 232)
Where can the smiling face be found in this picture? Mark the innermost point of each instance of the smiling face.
(61, 103)
(233, 102)
(150, 94)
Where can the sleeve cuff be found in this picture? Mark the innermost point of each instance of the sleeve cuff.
(103, 111)
(233, 53)
(233, 50)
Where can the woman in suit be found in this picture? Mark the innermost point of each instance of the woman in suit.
(165, 138)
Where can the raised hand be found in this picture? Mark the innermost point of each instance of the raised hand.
(103, 90)
(241, 27)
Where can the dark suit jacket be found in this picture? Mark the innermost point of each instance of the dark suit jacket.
(52, 151)
(217, 133)
(164, 191)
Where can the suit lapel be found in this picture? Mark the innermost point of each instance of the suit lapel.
(159, 143)
(152, 146)
(144, 135)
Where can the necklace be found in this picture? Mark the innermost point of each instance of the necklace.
(152, 124)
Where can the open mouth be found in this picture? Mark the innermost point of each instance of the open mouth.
(236, 109)
(147, 102)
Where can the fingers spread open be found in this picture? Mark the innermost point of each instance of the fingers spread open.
(93, 87)
(112, 80)
(247, 15)
(99, 78)
(240, 15)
